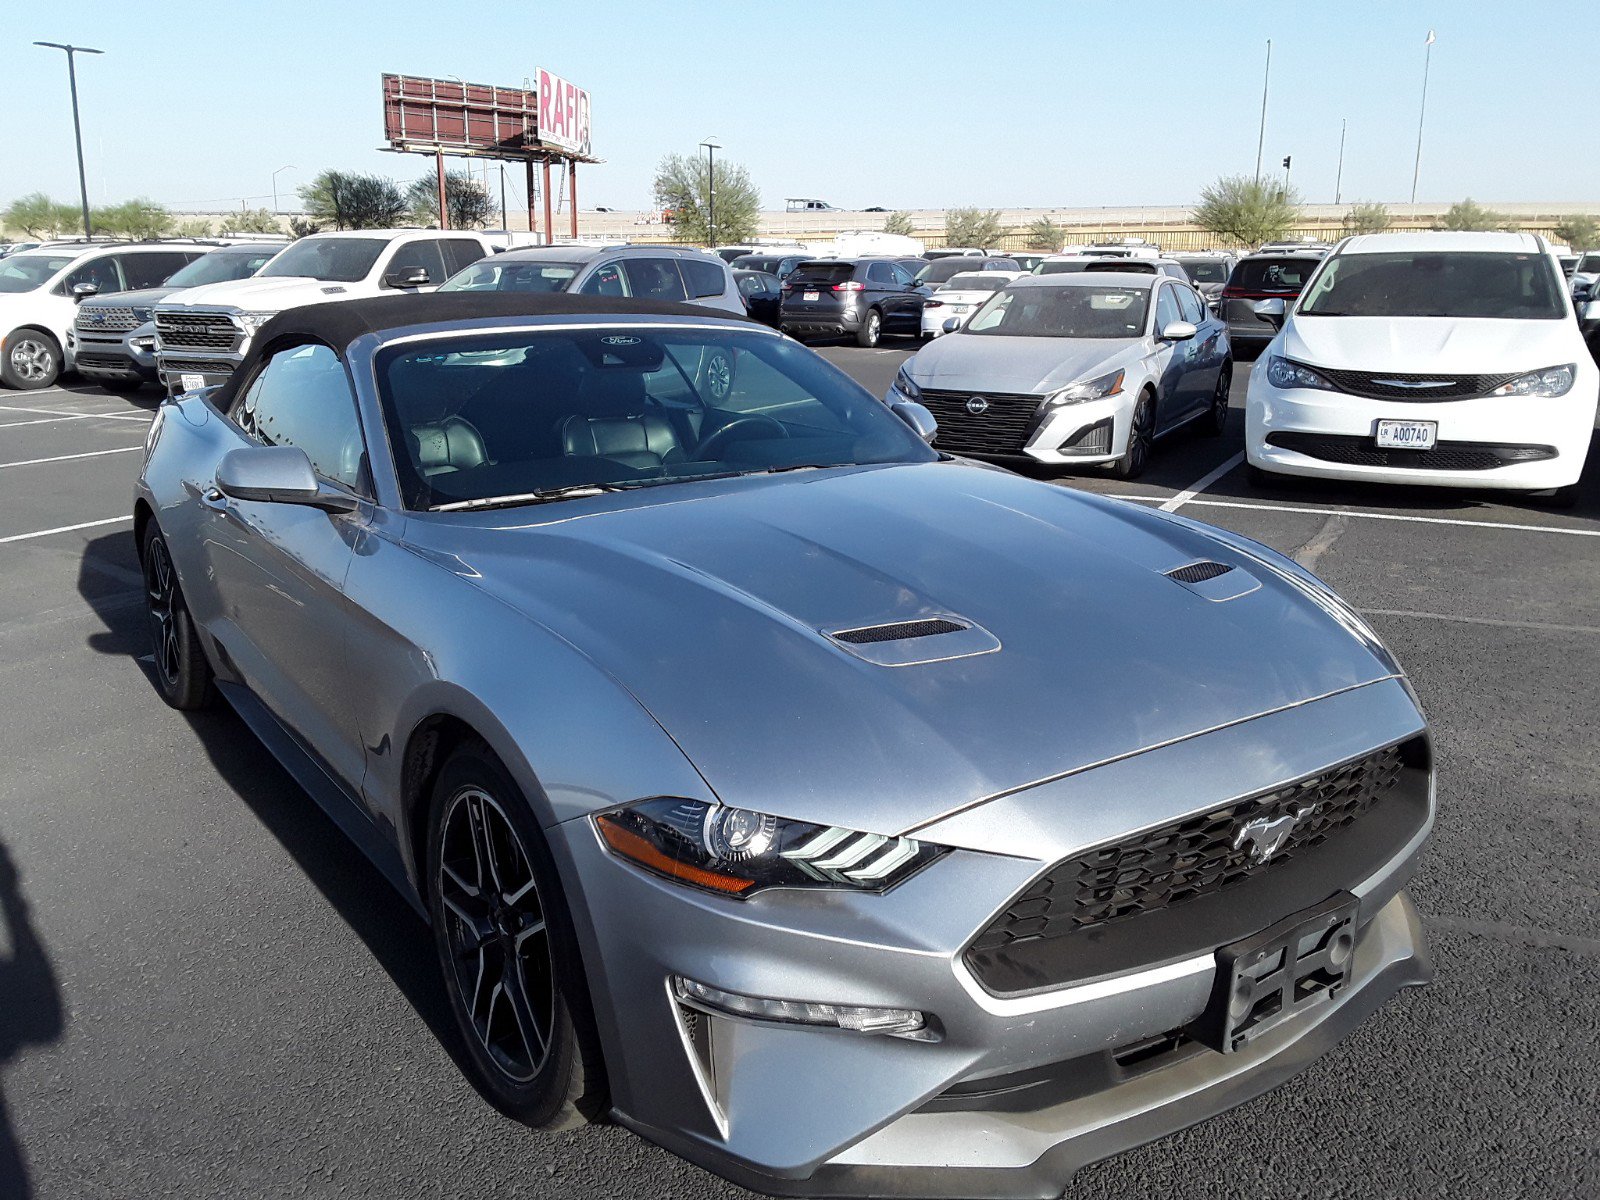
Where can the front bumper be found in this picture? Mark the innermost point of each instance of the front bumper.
(1553, 434)
(173, 367)
(804, 1111)
(114, 358)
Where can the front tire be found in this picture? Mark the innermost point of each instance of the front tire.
(506, 948)
(1216, 420)
(1141, 438)
(871, 329)
(183, 675)
(29, 360)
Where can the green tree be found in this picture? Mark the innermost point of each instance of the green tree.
(252, 220)
(682, 184)
(300, 227)
(1580, 232)
(1045, 234)
(468, 200)
(1366, 216)
(1468, 215)
(137, 218)
(1247, 211)
(347, 200)
(38, 216)
(194, 229)
(898, 222)
(972, 227)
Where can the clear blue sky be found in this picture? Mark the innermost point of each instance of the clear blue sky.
(904, 104)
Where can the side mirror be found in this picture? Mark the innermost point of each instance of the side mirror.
(82, 291)
(1269, 310)
(1178, 331)
(279, 475)
(411, 277)
(951, 324)
(922, 422)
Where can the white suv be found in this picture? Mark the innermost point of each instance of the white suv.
(40, 290)
(1442, 359)
(202, 333)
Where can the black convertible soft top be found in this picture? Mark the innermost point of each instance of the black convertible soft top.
(338, 323)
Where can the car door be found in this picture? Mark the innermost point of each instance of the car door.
(460, 253)
(885, 295)
(419, 252)
(654, 279)
(911, 297)
(151, 268)
(277, 571)
(1204, 362)
(1172, 358)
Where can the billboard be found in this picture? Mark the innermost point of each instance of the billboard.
(448, 114)
(563, 114)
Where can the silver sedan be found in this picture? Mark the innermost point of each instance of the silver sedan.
(845, 817)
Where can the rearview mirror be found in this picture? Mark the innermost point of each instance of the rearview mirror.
(279, 475)
(922, 422)
(951, 324)
(1178, 331)
(82, 291)
(1269, 310)
(411, 277)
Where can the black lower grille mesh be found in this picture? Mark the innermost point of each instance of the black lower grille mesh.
(1445, 456)
(898, 632)
(196, 365)
(1000, 427)
(1199, 572)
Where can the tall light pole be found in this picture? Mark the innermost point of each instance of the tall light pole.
(1416, 170)
(275, 174)
(77, 129)
(711, 149)
(1338, 180)
(1261, 138)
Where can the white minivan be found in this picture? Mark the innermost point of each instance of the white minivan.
(1442, 359)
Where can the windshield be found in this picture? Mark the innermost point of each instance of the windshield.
(24, 272)
(823, 273)
(943, 269)
(220, 266)
(972, 281)
(1062, 266)
(490, 275)
(1206, 270)
(1436, 284)
(506, 418)
(1589, 264)
(332, 260)
(1063, 312)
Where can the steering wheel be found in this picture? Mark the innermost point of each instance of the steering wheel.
(736, 430)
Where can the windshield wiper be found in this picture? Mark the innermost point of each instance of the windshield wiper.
(542, 496)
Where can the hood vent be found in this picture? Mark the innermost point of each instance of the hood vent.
(900, 631)
(1198, 572)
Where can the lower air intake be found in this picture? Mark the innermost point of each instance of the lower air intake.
(899, 632)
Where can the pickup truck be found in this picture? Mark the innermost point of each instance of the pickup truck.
(202, 333)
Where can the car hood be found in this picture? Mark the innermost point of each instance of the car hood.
(1421, 344)
(990, 362)
(709, 601)
(140, 299)
(261, 295)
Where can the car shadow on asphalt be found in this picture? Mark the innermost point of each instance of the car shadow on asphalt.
(392, 931)
(31, 1010)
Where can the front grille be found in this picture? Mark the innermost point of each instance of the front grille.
(1001, 428)
(105, 319)
(1354, 451)
(1182, 861)
(176, 366)
(898, 632)
(1390, 385)
(196, 331)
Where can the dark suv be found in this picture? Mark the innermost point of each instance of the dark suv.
(1271, 276)
(839, 297)
(773, 264)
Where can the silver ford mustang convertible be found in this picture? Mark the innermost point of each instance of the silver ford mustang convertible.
(846, 817)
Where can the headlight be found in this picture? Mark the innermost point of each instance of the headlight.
(1089, 389)
(142, 315)
(903, 385)
(737, 852)
(1552, 381)
(253, 321)
(1284, 373)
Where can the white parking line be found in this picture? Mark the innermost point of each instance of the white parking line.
(1546, 626)
(1370, 516)
(39, 533)
(48, 420)
(1201, 484)
(34, 462)
(56, 412)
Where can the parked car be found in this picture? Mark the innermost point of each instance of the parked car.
(954, 252)
(1440, 359)
(1070, 263)
(762, 293)
(939, 270)
(843, 817)
(1027, 260)
(773, 264)
(1208, 272)
(864, 298)
(7, 248)
(959, 296)
(1255, 277)
(1082, 369)
(1139, 266)
(113, 340)
(728, 253)
(1304, 245)
(1585, 270)
(40, 290)
(202, 333)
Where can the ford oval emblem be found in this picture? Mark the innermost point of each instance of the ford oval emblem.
(977, 406)
(619, 339)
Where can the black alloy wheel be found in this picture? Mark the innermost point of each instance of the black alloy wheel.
(183, 674)
(1215, 421)
(1141, 436)
(871, 329)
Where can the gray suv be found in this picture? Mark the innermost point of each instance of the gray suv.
(1275, 275)
(634, 272)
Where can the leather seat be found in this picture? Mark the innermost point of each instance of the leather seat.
(451, 444)
(612, 422)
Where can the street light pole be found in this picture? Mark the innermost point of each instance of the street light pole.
(77, 129)
(711, 148)
(275, 174)
(1416, 169)
(1262, 137)
(1338, 181)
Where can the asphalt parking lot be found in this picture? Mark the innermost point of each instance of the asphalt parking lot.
(205, 991)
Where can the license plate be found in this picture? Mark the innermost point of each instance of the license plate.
(1407, 435)
(191, 383)
(809, 295)
(1299, 963)
(958, 308)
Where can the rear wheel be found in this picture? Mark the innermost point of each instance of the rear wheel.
(1141, 436)
(871, 329)
(182, 673)
(29, 360)
(1216, 420)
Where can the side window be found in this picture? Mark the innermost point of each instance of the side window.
(1193, 311)
(103, 272)
(751, 285)
(606, 281)
(1167, 310)
(703, 278)
(460, 253)
(422, 253)
(879, 276)
(654, 279)
(151, 270)
(902, 277)
(302, 398)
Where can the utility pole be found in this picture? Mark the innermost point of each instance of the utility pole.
(1338, 181)
(1261, 138)
(77, 129)
(275, 174)
(1416, 170)
(711, 148)
(504, 224)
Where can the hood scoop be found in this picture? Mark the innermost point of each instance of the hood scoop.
(1214, 580)
(908, 643)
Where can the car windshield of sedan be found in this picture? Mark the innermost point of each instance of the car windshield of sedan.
(489, 275)
(332, 260)
(24, 272)
(975, 281)
(1436, 284)
(1063, 312)
(492, 420)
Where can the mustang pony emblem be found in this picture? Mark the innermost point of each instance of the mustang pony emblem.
(1265, 836)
